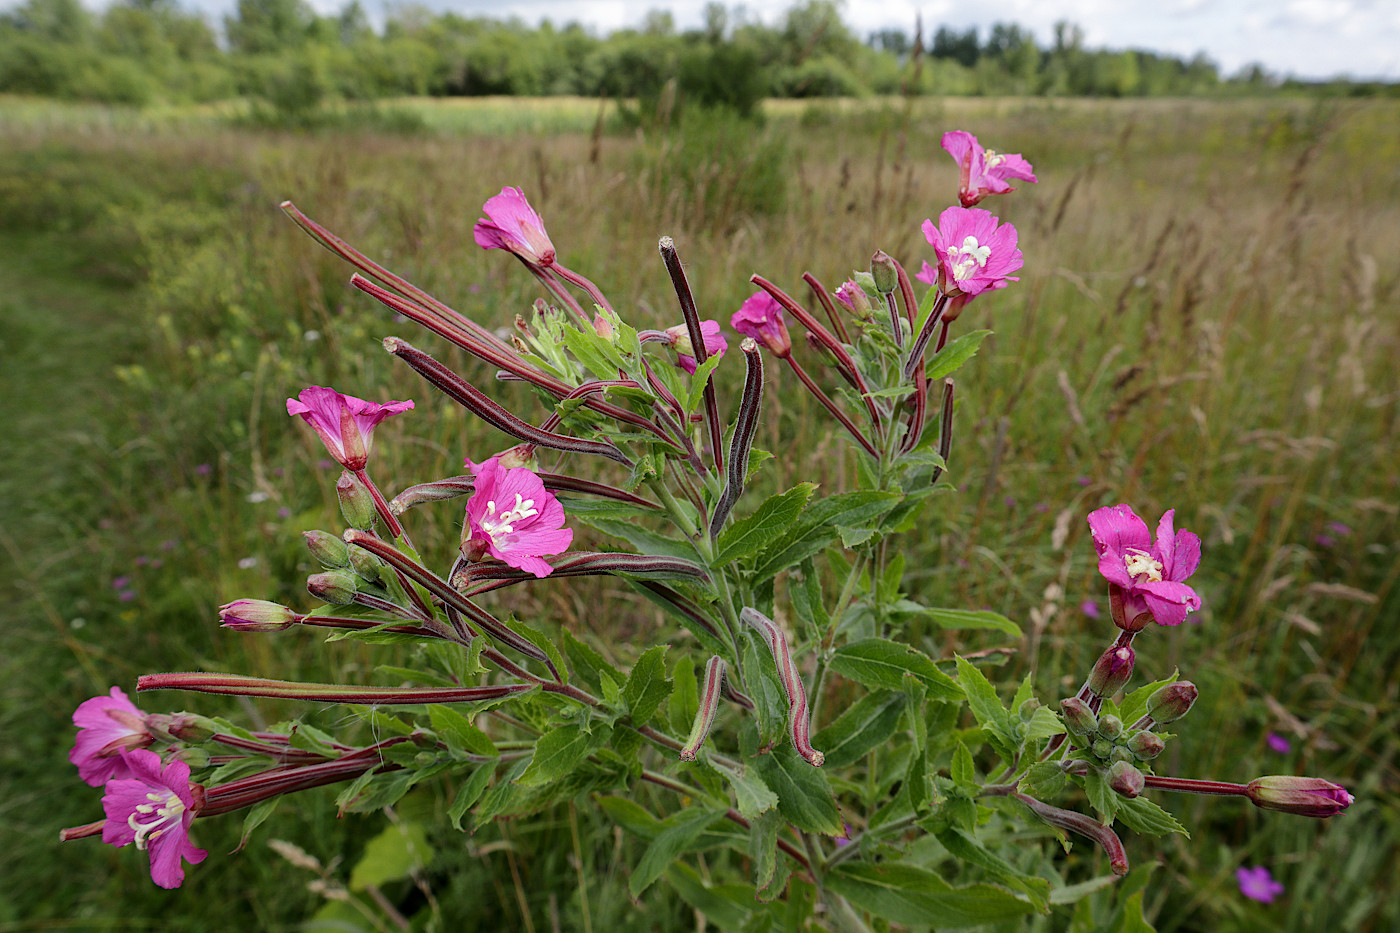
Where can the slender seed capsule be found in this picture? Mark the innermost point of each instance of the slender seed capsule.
(709, 705)
(799, 722)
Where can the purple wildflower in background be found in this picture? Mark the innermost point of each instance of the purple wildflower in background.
(204, 469)
(1340, 529)
(1257, 884)
(126, 596)
(984, 171)
(121, 583)
(1089, 608)
(1278, 743)
(511, 224)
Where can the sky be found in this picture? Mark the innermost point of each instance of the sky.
(1302, 38)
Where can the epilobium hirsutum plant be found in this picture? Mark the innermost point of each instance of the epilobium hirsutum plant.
(893, 805)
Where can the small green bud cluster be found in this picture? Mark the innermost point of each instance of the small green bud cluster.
(1105, 737)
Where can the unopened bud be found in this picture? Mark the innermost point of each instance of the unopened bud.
(356, 501)
(1120, 753)
(854, 298)
(1102, 748)
(1146, 745)
(189, 727)
(882, 269)
(603, 326)
(1170, 703)
(366, 566)
(196, 758)
(329, 550)
(335, 587)
(1112, 670)
(1125, 779)
(1026, 711)
(1079, 718)
(1303, 796)
(256, 615)
(822, 351)
(1110, 727)
(521, 455)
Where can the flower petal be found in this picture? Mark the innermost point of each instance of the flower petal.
(1115, 529)
(1169, 601)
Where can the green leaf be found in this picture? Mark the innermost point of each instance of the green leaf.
(752, 795)
(678, 833)
(1043, 780)
(726, 906)
(631, 816)
(986, 708)
(862, 727)
(459, 731)
(1132, 920)
(766, 524)
(560, 750)
(1069, 894)
(763, 848)
(804, 796)
(966, 848)
(963, 771)
(647, 686)
(698, 380)
(1044, 723)
(765, 689)
(817, 527)
(959, 618)
(1101, 797)
(256, 816)
(917, 897)
(954, 354)
(401, 849)
(469, 793)
(879, 662)
(543, 642)
(1143, 816)
(684, 701)
(588, 665)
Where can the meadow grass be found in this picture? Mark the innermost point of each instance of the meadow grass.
(1206, 321)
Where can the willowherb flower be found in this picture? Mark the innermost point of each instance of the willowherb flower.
(107, 726)
(854, 297)
(1301, 796)
(344, 423)
(514, 518)
(1150, 573)
(511, 224)
(976, 252)
(984, 171)
(761, 317)
(715, 343)
(1278, 743)
(1257, 884)
(153, 809)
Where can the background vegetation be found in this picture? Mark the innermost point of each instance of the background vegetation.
(1206, 321)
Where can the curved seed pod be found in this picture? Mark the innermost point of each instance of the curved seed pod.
(799, 721)
(709, 706)
(744, 427)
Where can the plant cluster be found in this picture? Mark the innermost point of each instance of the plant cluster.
(898, 807)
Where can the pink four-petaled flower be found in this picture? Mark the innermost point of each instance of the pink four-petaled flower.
(976, 252)
(107, 726)
(984, 171)
(344, 423)
(153, 809)
(1151, 574)
(511, 224)
(715, 343)
(1257, 884)
(514, 518)
(761, 317)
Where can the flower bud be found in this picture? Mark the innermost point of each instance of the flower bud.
(1110, 727)
(1102, 748)
(329, 551)
(1026, 711)
(196, 758)
(1146, 745)
(1303, 796)
(356, 501)
(883, 270)
(335, 587)
(365, 565)
(521, 455)
(189, 727)
(1120, 753)
(603, 326)
(1170, 703)
(1079, 718)
(1125, 779)
(854, 298)
(1112, 670)
(256, 615)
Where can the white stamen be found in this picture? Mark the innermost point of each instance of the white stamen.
(1140, 564)
(167, 808)
(993, 158)
(965, 257)
(497, 526)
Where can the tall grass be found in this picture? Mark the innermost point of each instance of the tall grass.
(1206, 322)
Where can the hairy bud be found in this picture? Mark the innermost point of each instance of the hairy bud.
(1112, 670)
(1303, 796)
(1170, 703)
(1125, 779)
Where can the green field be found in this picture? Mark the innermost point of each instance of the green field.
(1208, 320)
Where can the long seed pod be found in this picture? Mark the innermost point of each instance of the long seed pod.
(1084, 826)
(745, 425)
(667, 247)
(799, 721)
(475, 401)
(240, 685)
(945, 429)
(475, 578)
(709, 706)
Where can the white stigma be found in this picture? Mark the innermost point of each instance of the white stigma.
(1141, 564)
(495, 526)
(964, 258)
(164, 809)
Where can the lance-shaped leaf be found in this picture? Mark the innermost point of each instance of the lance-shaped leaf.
(679, 833)
(478, 403)
(879, 662)
(768, 522)
(799, 721)
(560, 750)
(915, 896)
(241, 685)
(742, 440)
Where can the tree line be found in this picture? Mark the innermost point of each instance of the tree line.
(284, 53)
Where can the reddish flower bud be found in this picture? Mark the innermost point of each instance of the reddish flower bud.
(1079, 718)
(1304, 796)
(1146, 745)
(1112, 670)
(1170, 703)
(256, 615)
(1125, 779)
(1110, 727)
(335, 587)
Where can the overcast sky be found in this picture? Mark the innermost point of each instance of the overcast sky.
(1305, 38)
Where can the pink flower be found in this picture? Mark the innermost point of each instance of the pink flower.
(511, 224)
(154, 808)
(975, 255)
(854, 297)
(1257, 884)
(715, 344)
(1278, 743)
(344, 422)
(1149, 573)
(1089, 608)
(761, 317)
(107, 726)
(984, 171)
(514, 518)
